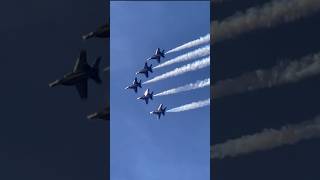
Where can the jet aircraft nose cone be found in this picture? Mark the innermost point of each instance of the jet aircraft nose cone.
(92, 116)
(54, 83)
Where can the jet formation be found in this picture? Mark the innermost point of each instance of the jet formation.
(149, 94)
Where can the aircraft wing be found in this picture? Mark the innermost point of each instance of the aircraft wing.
(82, 89)
(135, 89)
(81, 63)
(146, 92)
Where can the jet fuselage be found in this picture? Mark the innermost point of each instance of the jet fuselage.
(104, 115)
(101, 32)
(73, 78)
(146, 97)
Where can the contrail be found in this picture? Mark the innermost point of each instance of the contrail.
(188, 87)
(267, 139)
(201, 52)
(197, 42)
(194, 105)
(282, 73)
(181, 70)
(268, 15)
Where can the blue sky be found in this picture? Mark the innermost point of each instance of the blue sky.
(143, 148)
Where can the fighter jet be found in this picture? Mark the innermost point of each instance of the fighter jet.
(82, 71)
(135, 85)
(146, 96)
(103, 115)
(158, 54)
(100, 32)
(159, 111)
(145, 70)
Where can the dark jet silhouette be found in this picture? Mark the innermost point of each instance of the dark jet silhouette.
(135, 85)
(158, 54)
(103, 115)
(146, 96)
(159, 111)
(145, 70)
(79, 76)
(100, 32)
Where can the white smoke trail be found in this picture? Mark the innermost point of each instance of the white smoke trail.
(181, 70)
(188, 87)
(194, 105)
(270, 14)
(197, 42)
(284, 72)
(267, 139)
(201, 52)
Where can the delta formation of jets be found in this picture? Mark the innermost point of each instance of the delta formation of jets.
(149, 94)
(82, 72)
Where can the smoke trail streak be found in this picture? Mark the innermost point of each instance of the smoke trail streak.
(201, 52)
(270, 14)
(188, 87)
(194, 105)
(282, 73)
(181, 70)
(197, 42)
(267, 139)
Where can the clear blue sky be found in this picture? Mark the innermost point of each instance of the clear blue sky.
(143, 148)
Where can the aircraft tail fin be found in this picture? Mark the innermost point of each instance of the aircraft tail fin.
(95, 76)
(139, 84)
(151, 95)
(150, 68)
(162, 53)
(164, 111)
